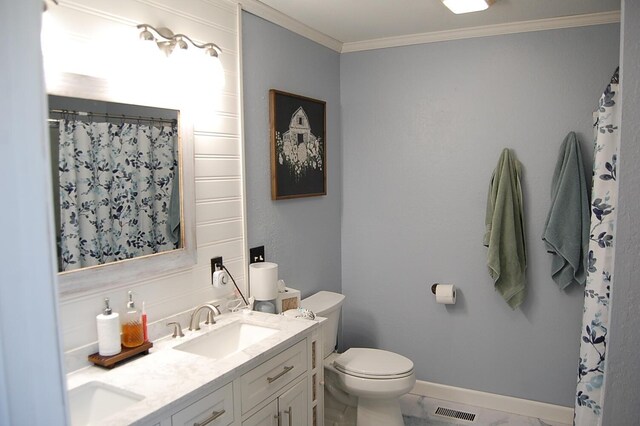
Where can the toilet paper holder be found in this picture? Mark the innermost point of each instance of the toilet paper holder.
(445, 293)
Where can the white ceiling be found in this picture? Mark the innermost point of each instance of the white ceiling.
(352, 21)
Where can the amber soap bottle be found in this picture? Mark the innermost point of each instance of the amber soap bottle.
(132, 331)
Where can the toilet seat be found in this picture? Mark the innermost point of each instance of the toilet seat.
(373, 364)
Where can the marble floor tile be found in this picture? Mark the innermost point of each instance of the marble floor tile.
(420, 411)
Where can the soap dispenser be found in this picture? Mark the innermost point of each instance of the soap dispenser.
(132, 331)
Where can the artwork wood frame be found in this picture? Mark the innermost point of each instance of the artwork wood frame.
(298, 146)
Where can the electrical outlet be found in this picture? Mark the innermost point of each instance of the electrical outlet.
(256, 254)
(216, 264)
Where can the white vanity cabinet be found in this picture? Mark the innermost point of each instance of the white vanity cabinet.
(268, 378)
(316, 378)
(290, 408)
(293, 405)
(266, 416)
(215, 409)
(286, 390)
(276, 381)
(276, 392)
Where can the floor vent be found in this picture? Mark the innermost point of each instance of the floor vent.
(446, 412)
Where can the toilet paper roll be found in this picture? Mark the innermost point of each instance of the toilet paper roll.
(263, 278)
(446, 293)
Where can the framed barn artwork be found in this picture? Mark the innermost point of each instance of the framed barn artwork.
(298, 146)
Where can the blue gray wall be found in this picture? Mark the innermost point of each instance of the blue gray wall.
(623, 369)
(423, 127)
(301, 235)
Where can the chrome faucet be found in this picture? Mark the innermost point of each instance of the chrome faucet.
(194, 324)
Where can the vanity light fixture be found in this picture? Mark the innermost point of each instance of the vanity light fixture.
(466, 6)
(167, 41)
(45, 4)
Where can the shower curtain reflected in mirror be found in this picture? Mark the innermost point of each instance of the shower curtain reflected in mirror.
(604, 201)
(119, 195)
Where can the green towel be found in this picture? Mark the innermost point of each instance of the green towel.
(504, 236)
(566, 231)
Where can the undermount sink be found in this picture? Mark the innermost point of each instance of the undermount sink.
(227, 340)
(94, 401)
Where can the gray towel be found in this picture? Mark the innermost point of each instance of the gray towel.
(504, 236)
(566, 231)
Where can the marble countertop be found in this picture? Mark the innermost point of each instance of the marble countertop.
(168, 378)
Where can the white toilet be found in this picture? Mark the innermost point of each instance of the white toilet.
(377, 378)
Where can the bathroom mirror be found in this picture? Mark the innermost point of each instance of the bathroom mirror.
(122, 184)
(115, 181)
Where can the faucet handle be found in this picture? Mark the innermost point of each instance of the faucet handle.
(211, 315)
(177, 329)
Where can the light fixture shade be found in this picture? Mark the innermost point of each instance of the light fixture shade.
(146, 35)
(466, 6)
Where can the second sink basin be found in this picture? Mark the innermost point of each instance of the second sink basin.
(95, 401)
(227, 340)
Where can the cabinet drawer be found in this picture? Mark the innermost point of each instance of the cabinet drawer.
(267, 416)
(215, 409)
(272, 375)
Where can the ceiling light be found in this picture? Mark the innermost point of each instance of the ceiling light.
(466, 6)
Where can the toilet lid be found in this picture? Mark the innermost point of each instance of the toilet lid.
(374, 363)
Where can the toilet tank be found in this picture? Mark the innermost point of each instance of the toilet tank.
(328, 305)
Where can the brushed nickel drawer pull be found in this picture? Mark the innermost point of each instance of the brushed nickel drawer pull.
(214, 416)
(280, 374)
(290, 413)
(277, 416)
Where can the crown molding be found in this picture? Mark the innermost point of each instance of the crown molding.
(486, 31)
(270, 14)
(260, 9)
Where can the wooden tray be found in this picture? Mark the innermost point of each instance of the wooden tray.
(126, 353)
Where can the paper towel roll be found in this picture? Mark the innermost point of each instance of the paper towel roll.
(263, 278)
(108, 334)
(446, 293)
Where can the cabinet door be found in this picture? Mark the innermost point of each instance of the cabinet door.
(293, 405)
(268, 416)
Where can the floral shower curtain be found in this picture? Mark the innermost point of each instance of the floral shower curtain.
(116, 187)
(595, 319)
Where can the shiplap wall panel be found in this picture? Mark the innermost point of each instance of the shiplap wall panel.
(209, 233)
(227, 249)
(77, 317)
(216, 145)
(219, 210)
(217, 163)
(217, 167)
(207, 190)
(222, 123)
(229, 102)
(231, 72)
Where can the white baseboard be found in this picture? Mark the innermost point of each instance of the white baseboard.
(523, 407)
